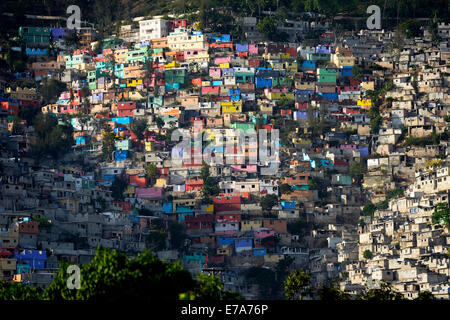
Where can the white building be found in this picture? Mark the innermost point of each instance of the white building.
(153, 29)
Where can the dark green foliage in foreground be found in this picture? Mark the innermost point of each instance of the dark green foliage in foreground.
(384, 292)
(112, 276)
(18, 291)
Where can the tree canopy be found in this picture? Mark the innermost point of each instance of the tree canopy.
(112, 276)
(51, 139)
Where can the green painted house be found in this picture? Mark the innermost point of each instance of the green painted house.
(318, 56)
(175, 75)
(111, 42)
(245, 127)
(326, 75)
(35, 35)
(138, 55)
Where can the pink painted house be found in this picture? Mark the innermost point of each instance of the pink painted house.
(263, 233)
(148, 193)
(220, 60)
(252, 49)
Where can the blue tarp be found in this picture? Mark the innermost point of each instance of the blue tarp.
(167, 207)
(121, 155)
(287, 205)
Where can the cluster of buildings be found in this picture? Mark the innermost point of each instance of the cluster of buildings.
(311, 105)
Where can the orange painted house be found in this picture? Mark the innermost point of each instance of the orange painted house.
(194, 184)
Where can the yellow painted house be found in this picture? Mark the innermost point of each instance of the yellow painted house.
(120, 55)
(289, 66)
(134, 83)
(224, 65)
(343, 61)
(148, 146)
(278, 95)
(231, 107)
(173, 64)
(364, 102)
(276, 56)
(161, 182)
(301, 85)
(135, 96)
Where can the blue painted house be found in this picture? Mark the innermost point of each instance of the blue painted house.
(36, 259)
(287, 205)
(243, 244)
(225, 240)
(260, 252)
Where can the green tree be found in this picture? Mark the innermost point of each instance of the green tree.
(297, 227)
(384, 292)
(108, 145)
(268, 201)
(139, 127)
(332, 292)
(156, 240)
(177, 234)
(411, 28)
(51, 139)
(18, 127)
(356, 170)
(282, 268)
(210, 288)
(264, 279)
(28, 113)
(268, 27)
(71, 39)
(297, 285)
(112, 276)
(441, 214)
(18, 291)
(361, 223)
(118, 187)
(369, 209)
(210, 184)
(367, 254)
(152, 172)
(204, 172)
(425, 295)
(285, 188)
(51, 89)
(285, 102)
(159, 123)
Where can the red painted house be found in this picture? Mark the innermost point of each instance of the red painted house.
(11, 108)
(138, 181)
(173, 24)
(125, 109)
(200, 222)
(121, 205)
(232, 203)
(224, 217)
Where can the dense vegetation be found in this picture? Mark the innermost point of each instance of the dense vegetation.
(215, 13)
(112, 276)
